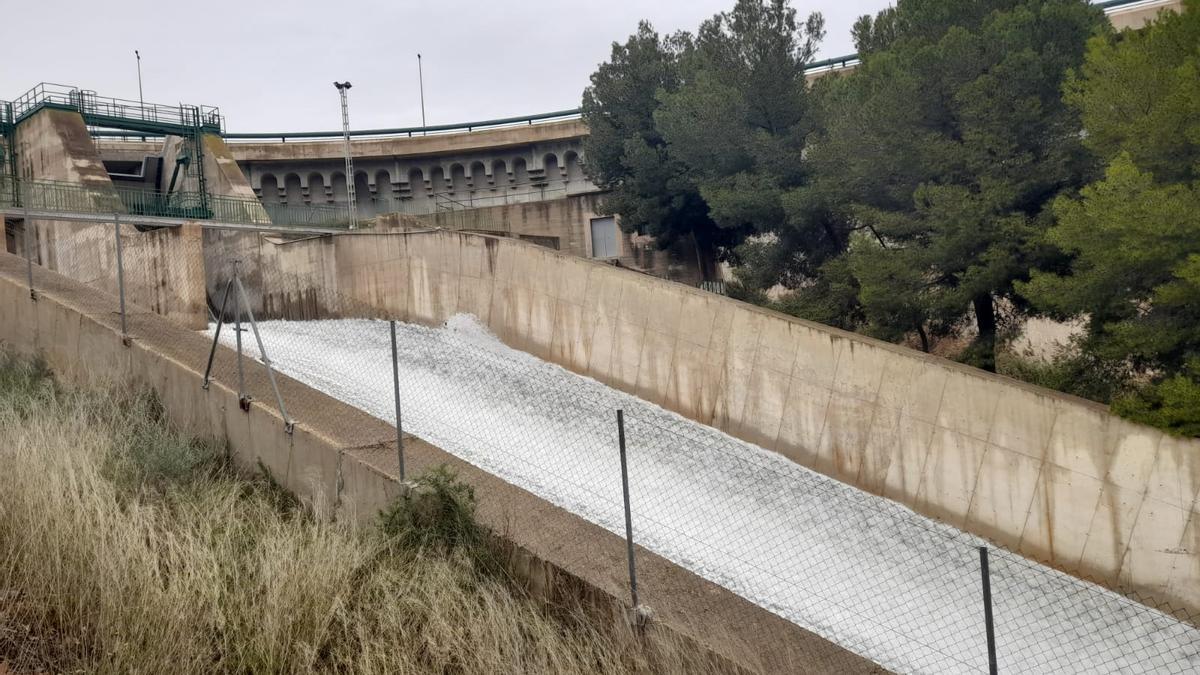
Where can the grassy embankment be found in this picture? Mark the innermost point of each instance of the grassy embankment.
(128, 547)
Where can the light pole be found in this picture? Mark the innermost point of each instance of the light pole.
(352, 206)
(141, 99)
(421, 79)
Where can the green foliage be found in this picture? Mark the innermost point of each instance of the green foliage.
(740, 119)
(1140, 95)
(626, 153)
(437, 512)
(699, 136)
(1073, 369)
(831, 297)
(26, 383)
(1172, 404)
(1133, 238)
(946, 145)
(988, 159)
(1135, 248)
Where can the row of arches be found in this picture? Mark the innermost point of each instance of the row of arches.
(415, 189)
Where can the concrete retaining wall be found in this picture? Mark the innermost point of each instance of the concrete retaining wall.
(164, 269)
(568, 222)
(1054, 477)
(340, 458)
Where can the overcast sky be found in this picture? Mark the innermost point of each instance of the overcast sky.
(270, 66)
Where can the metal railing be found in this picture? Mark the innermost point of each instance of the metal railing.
(64, 197)
(104, 110)
(502, 122)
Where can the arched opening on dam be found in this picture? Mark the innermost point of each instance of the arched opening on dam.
(417, 190)
(575, 175)
(363, 200)
(269, 190)
(553, 174)
(520, 173)
(500, 177)
(479, 178)
(385, 200)
(317, 194)
(458, 181)
(293, 190)
(437, 180)
(338, 184)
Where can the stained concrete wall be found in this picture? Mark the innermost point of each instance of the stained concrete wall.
(1054, 477)
(342, 461)
(568, 222)
(224, 249)
(164, 269)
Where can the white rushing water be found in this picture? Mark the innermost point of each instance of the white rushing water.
(862, 571)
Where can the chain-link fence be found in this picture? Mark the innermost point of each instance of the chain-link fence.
(864, 572)
(148, 270)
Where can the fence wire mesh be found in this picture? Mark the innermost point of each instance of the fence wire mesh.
(862, 571)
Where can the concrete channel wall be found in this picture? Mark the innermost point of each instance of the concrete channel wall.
(1054, 477)
(567, 223)
(164, 268)
(343, 461)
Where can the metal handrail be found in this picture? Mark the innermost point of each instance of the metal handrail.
(88, 103)
(1113, 4)
(413, 131)
(65, 197)
(846, 60)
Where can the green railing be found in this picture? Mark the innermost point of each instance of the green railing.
(64, 197)
(116, 112)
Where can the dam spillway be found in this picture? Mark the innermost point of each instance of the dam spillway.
(860, 570)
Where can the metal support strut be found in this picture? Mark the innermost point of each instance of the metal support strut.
(234, 286)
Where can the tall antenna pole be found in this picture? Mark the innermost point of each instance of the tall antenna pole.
(421, 79)
(141, 99)
(352, 205)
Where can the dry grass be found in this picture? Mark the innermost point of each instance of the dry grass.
(125, 547)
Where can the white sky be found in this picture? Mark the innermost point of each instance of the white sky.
(270, 65)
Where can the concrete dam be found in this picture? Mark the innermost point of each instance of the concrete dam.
(804, 499)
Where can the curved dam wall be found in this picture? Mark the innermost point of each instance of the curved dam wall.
(1054, 477)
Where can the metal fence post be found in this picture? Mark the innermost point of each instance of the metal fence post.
(987, 609)
(29, 246)
(396, 392)
(121, 278)
(628, 517)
